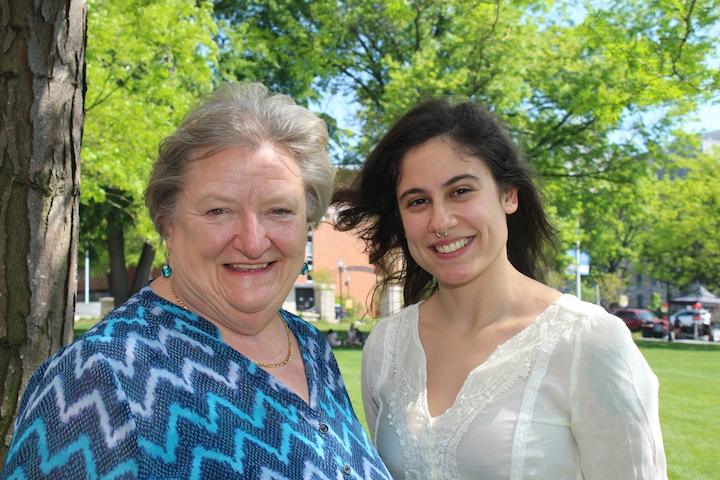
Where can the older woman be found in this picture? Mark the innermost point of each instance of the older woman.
(201, 374)
(487, 372)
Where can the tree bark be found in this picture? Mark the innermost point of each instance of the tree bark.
(42, 86)
(144, 267)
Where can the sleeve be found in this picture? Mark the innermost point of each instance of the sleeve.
(614, 404)
(372, 360)
(74, 422)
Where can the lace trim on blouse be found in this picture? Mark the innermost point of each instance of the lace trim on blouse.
(528, 351)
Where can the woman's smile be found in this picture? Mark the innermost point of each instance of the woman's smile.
(454, 246)
(247, 267)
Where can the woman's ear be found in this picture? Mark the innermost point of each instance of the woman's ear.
(510, 200)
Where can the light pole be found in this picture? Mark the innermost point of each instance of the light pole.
(340, 270)
(87, 275)
(347, 284)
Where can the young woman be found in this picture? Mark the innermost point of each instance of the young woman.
(487, 372)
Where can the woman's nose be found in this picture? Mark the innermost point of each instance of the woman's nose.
(441, 218)
(250, 236)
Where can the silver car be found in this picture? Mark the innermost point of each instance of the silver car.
(690, 322)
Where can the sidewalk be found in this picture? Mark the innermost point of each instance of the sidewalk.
(683, 340)
(86, 310)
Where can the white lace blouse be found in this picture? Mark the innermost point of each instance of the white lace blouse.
(569, 397)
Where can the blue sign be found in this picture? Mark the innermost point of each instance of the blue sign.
(584, 262)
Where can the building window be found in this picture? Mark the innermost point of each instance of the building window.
(641, 301)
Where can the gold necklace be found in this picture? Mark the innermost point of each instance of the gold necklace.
(259, 364)
(290, 350)
(172, 288)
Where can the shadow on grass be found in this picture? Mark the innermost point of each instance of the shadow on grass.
(678, 346)
(347, 347)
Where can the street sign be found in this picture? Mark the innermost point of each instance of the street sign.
(584, 262)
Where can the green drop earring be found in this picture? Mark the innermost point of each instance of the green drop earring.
(303, 271)
(166, 270)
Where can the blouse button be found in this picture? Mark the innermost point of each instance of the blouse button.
(347, 470)
(324, 428)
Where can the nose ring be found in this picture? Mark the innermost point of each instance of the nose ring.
(446, 232)
(438, 235)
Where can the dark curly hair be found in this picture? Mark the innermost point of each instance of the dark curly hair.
(370, 203)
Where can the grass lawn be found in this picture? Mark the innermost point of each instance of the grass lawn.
(689, 377)
(83, 325)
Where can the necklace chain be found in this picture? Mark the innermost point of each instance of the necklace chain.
(290, 350)
(172, 288)
(259, 364)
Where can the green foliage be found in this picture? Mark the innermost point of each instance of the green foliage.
(323, 275)
(612, 285)
(655, 302)
(575, 86)
(682, 244)
(147, 62)
(593, 94)
(270, 42)
(345, 176)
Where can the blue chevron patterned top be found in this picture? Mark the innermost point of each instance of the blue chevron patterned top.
(152, 392)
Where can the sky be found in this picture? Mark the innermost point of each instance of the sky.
(709, 119)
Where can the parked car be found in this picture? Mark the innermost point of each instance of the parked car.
(655, 327)
(632, 317)
(686, 319)
(639, 319)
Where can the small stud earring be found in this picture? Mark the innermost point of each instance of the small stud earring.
(166, 270)
(304, 269)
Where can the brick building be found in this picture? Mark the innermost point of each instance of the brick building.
(326, 247)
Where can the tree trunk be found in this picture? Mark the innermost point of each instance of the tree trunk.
(142, 274)
(118, 277)
(42, 85)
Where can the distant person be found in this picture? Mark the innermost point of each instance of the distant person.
(487, 373)
(202, 374)
(332, 338)
(355, 336)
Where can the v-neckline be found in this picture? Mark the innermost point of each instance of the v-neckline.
(498, 350)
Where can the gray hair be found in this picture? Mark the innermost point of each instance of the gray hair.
(242, 115)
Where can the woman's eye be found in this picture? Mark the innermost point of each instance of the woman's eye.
(417, 201)
(216, 211)
(461, 191)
